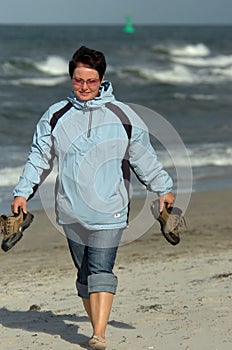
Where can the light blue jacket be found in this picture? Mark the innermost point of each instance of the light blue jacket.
(89, 142)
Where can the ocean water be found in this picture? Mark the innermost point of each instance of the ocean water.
(184, 73)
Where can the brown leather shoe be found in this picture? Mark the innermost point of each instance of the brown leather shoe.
(170, 220)
(12, 228)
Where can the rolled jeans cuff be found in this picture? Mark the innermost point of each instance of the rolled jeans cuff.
(102, 282)
(82, 290)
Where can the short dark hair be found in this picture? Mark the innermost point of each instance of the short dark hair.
(91, 58)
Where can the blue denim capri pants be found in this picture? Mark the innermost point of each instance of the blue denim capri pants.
(93, 253)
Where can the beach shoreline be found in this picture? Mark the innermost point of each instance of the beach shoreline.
(168, 297)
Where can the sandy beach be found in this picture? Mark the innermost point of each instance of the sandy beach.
(169, 298)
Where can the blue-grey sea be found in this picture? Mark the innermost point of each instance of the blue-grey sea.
(184, 73)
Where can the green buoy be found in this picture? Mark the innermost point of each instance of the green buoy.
(128, 27)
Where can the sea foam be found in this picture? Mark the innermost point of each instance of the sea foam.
(53, 65)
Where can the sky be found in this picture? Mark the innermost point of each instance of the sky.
(115, 11)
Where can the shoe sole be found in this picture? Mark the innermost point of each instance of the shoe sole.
(15, 237)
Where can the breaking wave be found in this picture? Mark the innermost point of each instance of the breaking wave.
(198, 50)
(51, 71)
(53, 65)
(178, 74)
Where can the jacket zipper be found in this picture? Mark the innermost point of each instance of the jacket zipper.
(90, 118)
(90, 122)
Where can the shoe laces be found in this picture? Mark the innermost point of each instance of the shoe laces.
(175, 221)
(9, 225)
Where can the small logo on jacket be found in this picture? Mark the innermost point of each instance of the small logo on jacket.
(117, 215)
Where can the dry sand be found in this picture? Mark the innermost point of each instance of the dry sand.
(169, 298)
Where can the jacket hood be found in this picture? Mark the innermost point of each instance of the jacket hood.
(106, 95)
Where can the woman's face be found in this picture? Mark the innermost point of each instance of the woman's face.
(85, 82)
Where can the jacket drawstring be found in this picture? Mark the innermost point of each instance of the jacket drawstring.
(90, 122)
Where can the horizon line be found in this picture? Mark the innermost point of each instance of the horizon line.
(118, 24)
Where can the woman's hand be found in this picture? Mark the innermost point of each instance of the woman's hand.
(167, 198)
(19, 202)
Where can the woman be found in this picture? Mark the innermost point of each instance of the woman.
(94, 138)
